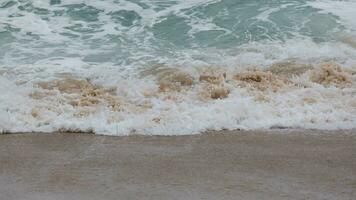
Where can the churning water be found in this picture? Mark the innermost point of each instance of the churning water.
(172, 67)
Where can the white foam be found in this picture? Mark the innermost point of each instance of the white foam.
(346, 10)
(331, 109)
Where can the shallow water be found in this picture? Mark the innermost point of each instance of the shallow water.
(176, 67)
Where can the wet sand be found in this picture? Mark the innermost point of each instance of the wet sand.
(274, 165)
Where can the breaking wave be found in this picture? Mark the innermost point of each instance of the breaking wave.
(176, 67)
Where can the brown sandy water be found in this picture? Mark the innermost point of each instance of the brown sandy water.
(278, 164)
(173, 83)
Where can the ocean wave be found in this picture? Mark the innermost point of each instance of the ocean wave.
(171, 101)
(177, 67)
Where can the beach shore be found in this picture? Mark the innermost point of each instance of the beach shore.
(281, 164)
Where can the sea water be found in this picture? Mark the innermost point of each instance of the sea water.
(174, 67)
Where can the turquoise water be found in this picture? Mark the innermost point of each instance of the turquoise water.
(140, 66)
(121, 31)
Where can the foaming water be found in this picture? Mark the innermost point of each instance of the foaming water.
(123, 67)
(173, 101)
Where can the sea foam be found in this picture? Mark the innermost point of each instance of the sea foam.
(176, 67)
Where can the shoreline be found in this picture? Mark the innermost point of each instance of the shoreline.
(283, 130)
(273, 164)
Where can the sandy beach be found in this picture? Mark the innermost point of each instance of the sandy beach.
(283, 164)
